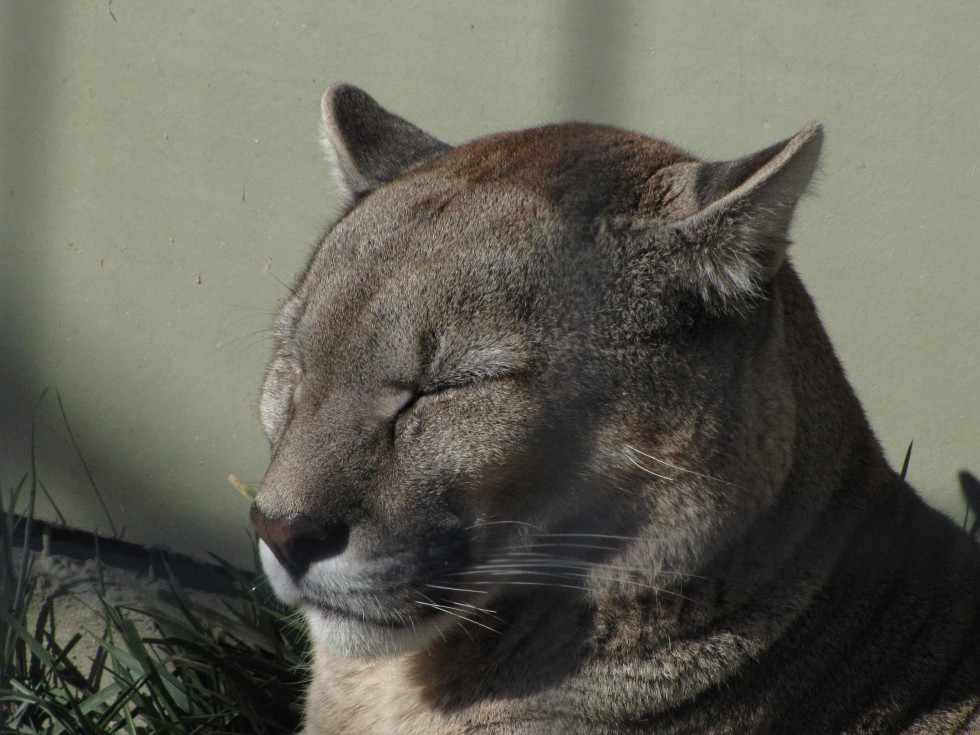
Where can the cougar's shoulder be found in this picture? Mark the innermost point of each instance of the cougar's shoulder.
(559, 444)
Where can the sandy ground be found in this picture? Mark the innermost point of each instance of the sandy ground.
(70, 590)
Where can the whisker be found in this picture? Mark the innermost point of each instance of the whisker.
(659, 590)
(527, 558)
(578, 587)
(549, 535)
(597, 547)
(569, 574)
(481, 523)
(674, 467)
(503, 569)
(457, 602)
(647, 470)
(455, 589)
(485, 611)
(456, 614)
(598, 536)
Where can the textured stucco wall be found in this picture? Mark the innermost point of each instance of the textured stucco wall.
(160, 179)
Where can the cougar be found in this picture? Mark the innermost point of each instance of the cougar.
(559, 445)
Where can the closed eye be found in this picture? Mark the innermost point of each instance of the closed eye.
(405, 398)
(410, 399)
(419, 394)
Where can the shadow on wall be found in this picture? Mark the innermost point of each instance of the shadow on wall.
(593, 59)
(29, 61)
(32, 67)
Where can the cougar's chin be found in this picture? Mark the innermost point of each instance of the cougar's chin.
(377, 630)
(347, 635)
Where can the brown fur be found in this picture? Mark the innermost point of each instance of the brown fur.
(564, 385)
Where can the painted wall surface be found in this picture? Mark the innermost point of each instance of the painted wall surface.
(161, 182)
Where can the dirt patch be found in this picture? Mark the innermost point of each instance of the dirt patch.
(70, 596)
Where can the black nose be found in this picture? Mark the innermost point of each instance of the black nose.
(297, 541)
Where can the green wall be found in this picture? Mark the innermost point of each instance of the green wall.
(161, 180)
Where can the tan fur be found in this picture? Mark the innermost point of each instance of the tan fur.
(560, 446)
(374, 695)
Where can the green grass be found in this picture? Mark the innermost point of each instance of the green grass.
(237, 669)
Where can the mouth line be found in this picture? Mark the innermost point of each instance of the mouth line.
(396, 630)
(410, 603)
(403, 622)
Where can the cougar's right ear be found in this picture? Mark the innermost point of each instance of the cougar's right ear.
(369, 145)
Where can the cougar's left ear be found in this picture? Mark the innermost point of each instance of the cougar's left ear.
(369, 145)
(736, 238)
